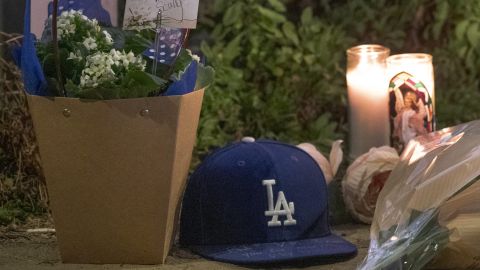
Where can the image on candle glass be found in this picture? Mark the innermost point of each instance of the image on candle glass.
(411, 109)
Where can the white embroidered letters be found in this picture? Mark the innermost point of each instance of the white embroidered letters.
(281, 207)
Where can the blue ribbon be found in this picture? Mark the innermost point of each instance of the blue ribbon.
(33, 77)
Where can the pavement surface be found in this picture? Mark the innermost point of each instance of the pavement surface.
(21, 250)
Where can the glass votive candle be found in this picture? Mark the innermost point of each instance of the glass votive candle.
(367, 98)
(411, 97)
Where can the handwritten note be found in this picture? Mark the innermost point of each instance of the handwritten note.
(143, 14)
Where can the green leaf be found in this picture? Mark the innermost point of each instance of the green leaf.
(309, 59)
(205, 76)
(53, 87)
(461, 29)
(270, 29)
(275, 17)
(72, 89)
(181, 64)
(290, 32)
(48, 65)
(277, 5)
(233, 14)
(133, 42)
(297, 57)
(159, 82)
(100, 93)
(307, 16)
(277, 71)
(135, 78)
(462, 51)
(473, 35)
(135, 84)
(441, 16)
(232, 50)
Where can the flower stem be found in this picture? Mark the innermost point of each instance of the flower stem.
(56, 50)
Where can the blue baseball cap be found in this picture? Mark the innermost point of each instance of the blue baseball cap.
(260, 202)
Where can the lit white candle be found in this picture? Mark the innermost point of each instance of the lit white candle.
(367, 98)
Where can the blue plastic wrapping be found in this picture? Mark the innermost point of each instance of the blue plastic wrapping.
(33, 77)
(90, 8)
(186, 83)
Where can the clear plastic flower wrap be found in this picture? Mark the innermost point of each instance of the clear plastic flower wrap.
(429, 205)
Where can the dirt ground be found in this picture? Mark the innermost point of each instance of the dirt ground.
(21, 250)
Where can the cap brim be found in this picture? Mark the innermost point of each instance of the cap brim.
(326, 249)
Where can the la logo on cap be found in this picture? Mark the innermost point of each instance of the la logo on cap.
(282, 207)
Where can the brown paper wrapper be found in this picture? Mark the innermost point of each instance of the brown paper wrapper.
(115, 173)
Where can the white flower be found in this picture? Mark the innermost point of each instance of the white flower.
(75, 56)
(90, 43)
(115, 56)
(66, 23)
(196, 58)
(65, 26)
(108, 37)
(131, 56)
(95, 25)
(100, 67)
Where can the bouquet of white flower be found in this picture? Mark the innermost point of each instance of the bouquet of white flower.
(115, 140)
(98, 62)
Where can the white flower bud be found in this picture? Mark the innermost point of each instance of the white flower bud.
(196, 57)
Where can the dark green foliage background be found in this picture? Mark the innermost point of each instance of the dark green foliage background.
(280, 68)
(281, 64)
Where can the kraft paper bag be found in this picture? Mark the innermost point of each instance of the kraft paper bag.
(115, 172)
